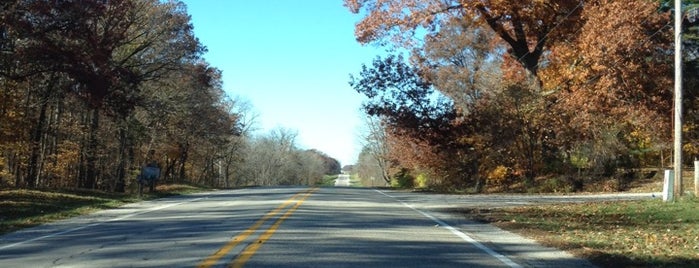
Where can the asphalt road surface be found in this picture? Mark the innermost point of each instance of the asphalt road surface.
(279, 227)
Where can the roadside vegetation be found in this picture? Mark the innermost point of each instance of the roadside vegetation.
(76, 112)
(472, 105)
(610, 234)
(328, 181)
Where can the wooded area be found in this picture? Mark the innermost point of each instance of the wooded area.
(522, 95)
(90, 91)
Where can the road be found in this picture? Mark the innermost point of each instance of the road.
(279, 227)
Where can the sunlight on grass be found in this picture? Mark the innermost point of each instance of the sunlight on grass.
(25, 208)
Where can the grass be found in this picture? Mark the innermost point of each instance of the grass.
(355, 181)
(328, 181)
(22, 208)
(647, 233)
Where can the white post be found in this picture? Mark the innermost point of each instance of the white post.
(677, 156)
(668, 187)
(696, 178)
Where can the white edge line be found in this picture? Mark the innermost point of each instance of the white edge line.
(98, 223)
(460, 234)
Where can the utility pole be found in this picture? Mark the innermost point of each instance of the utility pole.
(677, 156)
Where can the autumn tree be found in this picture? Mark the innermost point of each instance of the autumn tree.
(66, 38)
(95, 69)
(613, 94)
(527, 27)
(42, 88)
(105, 48)
(459, 55)
(186, 118)
(493, 124)
(690, 42)
(595, 98)
(461, 62)
(419, 123)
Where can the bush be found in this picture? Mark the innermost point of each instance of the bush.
(501, 177)
(403, 180)
(555, 185)
(421, 181)
(498, 175)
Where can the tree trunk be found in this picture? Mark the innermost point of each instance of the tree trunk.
(90, 181)
(169, 173)
(184, 151)
(120, 183)
(32, 178)
(480, 181)
(35, 143)
(13, 165)
(50, 153)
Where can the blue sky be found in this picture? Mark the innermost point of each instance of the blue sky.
(291, 60)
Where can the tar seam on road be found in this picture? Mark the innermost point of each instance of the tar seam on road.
(223, 251)
(99, 223)
(462, 235)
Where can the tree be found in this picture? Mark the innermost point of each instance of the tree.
(613, 94)
(459, 60)
(374, 158)
(185, 114)
(419, 123)
(268, 158)
(527, 27)
(582, 104)
(368, 170)
(690, 42)
(94, 68)
(105, 48)
(274, 158)
(398, 92)
(330, 166)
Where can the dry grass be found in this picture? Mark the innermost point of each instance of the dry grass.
(611, 234)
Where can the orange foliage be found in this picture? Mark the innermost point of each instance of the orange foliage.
(527, 27)
(602, 71)
(616, 70)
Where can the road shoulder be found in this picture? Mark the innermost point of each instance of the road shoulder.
(521, 250)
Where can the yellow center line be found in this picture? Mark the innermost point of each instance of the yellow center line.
(250, 250)
(211, 260)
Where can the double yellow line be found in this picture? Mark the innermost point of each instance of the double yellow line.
(250, 250)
